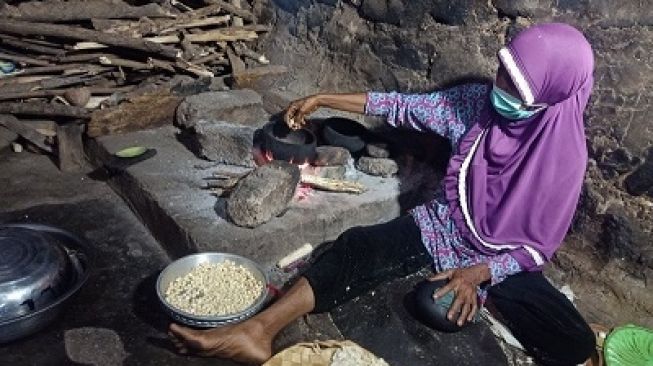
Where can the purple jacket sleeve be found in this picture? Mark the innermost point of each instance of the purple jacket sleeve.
(448, 112)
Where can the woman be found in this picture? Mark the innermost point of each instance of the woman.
(508, 198)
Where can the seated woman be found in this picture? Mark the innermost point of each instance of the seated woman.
(507, 201)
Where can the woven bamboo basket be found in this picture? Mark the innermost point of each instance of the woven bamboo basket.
(317, 353)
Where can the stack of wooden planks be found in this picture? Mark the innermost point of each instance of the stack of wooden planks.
(77, 61)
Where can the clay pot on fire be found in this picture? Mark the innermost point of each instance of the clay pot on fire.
(295, 146)
(345, 133)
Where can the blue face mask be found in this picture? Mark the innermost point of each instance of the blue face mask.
(510, 107)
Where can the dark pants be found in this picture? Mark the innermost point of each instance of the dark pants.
(539, 316)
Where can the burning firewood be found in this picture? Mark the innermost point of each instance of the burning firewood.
(333, 185)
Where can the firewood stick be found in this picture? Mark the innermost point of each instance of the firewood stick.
(207, 58)
(56, 92)
(28, 133)
(82, 10)
(245, 51)
(31, 47)
(82, 57)
(217, 35)
(333, 185)
(63, 31)
(23, 59)
(238, 21)
(57, 68)
(44, 109)
(193, 69)
(151, 64)
(221, 183)
(198, 23)
(245, 14)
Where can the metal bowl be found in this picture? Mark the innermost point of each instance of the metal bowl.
(184, 265)
(40, 268)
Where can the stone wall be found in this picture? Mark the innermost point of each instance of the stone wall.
(418, 45)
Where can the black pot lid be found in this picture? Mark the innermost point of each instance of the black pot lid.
(35, 270)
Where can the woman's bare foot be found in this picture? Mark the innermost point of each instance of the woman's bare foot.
(247, 342)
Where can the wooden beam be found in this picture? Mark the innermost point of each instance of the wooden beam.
(43, 109)
(28, 133)
(76, 33)
(70, 147)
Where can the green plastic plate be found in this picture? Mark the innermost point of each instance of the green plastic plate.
(629, 345)
(131, 152)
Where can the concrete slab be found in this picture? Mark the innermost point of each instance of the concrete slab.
(381, 322)
(115, 319)
(164, 191)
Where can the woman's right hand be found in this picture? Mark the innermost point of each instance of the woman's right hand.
(298, 110)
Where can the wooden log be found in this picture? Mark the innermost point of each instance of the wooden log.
(333, 185)
(43, 109)
(193, 69)
(70, 147)
(144, 111)
(250, 76)
(76, 33)
(28, 133)
(60, 11)
(216, 35)
(23, 59)
(86, 68)
(31, 47)
(244, 51)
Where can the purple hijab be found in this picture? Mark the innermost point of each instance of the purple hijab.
(514, 186)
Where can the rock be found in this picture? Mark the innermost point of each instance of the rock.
(623, 238)
(377, 166)
(641, 180)
(617, 162)
(384, 11)
(238, 106)
(331, 155)
(524, 8)
(224, 142)
(6, 137)
(332, 172)
(263, 194)
(377, 150)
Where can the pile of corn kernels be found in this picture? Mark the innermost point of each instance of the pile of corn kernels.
(214, 289)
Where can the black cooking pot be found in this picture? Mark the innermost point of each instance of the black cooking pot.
(433, 313)
(345, 133)
(297, 146)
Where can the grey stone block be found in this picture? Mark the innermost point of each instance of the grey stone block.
(377, 150)
(331, 155)
(225, 143)
(237, 106)
(377, 166)
(263, 194)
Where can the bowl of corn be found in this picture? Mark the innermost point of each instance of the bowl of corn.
(207, 290)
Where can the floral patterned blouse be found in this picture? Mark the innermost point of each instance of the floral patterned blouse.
(449, 113)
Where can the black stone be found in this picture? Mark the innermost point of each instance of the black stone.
(641, 180)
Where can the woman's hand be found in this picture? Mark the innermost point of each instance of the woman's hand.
(463, 282)
(298, 111)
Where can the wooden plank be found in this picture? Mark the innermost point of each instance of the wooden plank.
(76, 33)
(43, 109)
(70, 147)
(28, 133)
